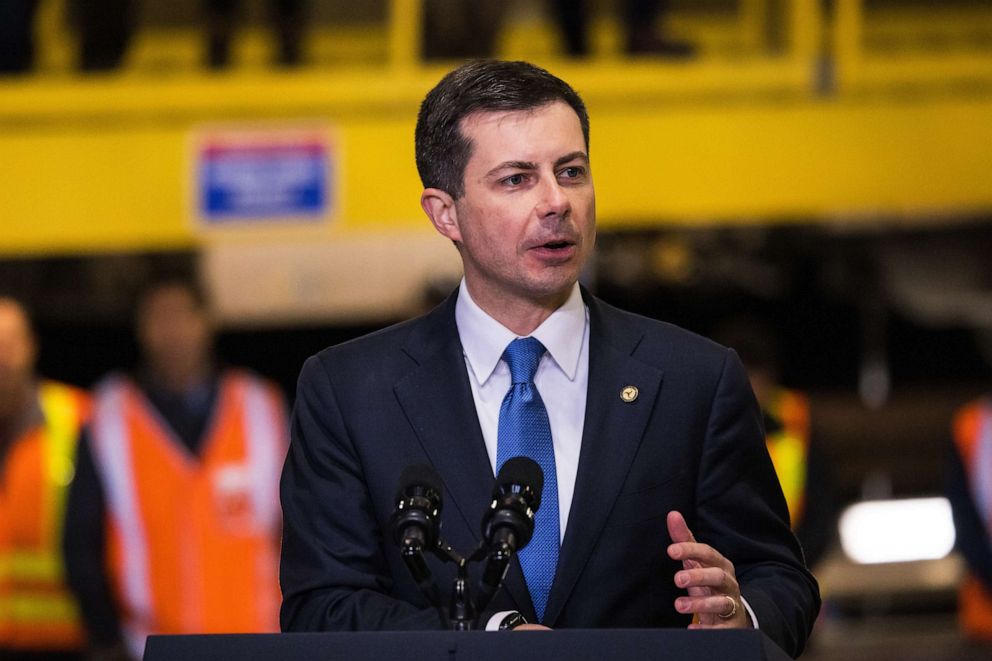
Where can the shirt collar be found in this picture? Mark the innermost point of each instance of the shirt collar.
(484, 339)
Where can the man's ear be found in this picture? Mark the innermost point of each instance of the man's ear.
(440, 208)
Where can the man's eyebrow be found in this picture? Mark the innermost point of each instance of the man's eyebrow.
(528, 165)
(581, 155)
(512, 165)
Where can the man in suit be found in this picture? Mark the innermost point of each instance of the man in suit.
(660, 506)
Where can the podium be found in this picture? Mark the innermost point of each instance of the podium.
(565, 644)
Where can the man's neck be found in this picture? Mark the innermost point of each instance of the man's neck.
(522, 316)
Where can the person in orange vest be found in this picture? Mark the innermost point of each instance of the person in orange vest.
(40, 422)
(969, 488)
(802, 471)
(173, 518)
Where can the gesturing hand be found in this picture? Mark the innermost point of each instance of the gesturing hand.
(714, 595)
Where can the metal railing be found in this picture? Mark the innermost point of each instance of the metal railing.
(830, 47)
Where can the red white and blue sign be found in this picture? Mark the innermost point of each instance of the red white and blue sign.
(248, 175)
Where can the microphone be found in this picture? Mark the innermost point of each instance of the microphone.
(508, 524)
(415, 522)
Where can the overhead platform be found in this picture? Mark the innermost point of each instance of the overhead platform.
(297, 192)
(112, 164)
(830, 128)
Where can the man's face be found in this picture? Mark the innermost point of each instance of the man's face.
(527, 220)
(174, 332)
(17, 350)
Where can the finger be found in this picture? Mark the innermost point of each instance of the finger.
(714, 605)
(678, 529)
(704, 554)
(714, 578)
(676, 554)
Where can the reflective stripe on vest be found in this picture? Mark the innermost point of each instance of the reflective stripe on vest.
(262, 417)
(231, 486)
(111, 446)
(36, 609)
(50, 609)
(789, 449)
(30, 566)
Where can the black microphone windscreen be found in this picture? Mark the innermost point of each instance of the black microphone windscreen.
(523, 471)
(420, 475)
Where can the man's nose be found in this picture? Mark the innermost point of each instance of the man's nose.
(554, 200)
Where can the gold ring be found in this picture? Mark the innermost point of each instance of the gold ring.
(733, 608)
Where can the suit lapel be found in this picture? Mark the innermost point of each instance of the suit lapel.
(437, 400)
(611, 435)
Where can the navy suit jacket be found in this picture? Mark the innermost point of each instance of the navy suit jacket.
(691, 441)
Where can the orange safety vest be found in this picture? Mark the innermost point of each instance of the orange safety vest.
(973, 438)
(192, 540)
(37, 611)
(789, 448)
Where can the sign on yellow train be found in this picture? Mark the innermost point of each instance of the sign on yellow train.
(260, 174)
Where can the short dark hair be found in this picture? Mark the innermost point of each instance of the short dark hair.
(443, 150)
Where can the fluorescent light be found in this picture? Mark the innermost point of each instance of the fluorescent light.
(897, 530)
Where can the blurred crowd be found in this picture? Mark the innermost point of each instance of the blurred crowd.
(105, 29)
(457, 28)
(452, 29)
(148, 505)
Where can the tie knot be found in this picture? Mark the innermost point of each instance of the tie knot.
(522, 356)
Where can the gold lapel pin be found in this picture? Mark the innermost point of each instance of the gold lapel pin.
(629, 394)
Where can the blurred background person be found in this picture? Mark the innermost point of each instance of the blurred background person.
(801, 469)
(173, 518)
(287, 18)
(105, 29)
(17, 35)
(639, 19)
(460, 28)
(969, 488)
(39, 427)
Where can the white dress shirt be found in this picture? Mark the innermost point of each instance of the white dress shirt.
(562, 379)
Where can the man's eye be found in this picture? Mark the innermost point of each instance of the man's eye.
(514, 180)
(572, 172)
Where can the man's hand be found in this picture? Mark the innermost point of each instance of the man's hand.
(714, 595)
(532, 627)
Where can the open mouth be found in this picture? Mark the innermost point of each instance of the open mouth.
(555, 250)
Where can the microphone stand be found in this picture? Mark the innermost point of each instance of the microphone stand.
(498, 558)
(462, 610)
(514, 517)
(412, 553)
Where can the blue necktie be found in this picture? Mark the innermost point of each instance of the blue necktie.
(524, 430)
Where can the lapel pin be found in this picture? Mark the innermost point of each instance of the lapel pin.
(629, 394)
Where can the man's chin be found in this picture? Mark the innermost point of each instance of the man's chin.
(553, 290)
